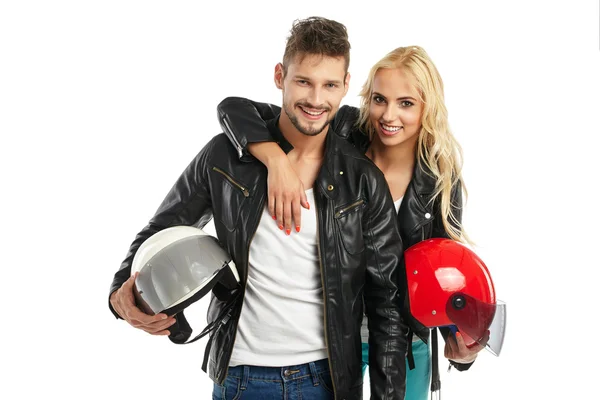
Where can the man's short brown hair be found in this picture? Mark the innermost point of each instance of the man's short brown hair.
(319, 36)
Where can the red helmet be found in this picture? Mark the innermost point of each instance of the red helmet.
(449, 285)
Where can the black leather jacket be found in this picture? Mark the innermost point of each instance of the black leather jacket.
(419, 216)
(360, 253)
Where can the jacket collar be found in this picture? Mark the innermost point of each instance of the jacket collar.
(276, 133)
(326, 178)
(423, 179)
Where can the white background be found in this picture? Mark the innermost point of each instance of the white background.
(103, 104)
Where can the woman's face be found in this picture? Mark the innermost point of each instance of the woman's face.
(395, 109)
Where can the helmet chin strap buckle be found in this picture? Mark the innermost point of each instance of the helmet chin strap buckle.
(180, 330)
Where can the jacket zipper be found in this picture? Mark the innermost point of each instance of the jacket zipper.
(343, 211)
(324, 298)
(244, 288)
(233, 182)
(238, 146)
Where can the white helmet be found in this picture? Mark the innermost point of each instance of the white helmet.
(178, 266)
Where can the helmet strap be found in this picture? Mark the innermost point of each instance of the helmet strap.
(436, 384)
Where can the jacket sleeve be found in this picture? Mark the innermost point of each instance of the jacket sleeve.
(187, 203)
(345, 125)
(244, 121)
(438, 231)
(387, 331)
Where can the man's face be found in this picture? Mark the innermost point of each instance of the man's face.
(312, 91)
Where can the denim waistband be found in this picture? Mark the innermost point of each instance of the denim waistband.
(274, 374)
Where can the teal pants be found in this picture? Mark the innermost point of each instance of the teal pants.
(417, 380)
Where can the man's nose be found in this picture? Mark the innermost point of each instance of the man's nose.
(316, 97)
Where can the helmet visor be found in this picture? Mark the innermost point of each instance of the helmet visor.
(479, 322)
(179, 271)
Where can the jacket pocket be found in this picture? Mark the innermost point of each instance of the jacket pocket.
(233, 195)
(422, 230)
(348, 218)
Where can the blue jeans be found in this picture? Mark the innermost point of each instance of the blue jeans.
(295, 382)
(417, 380)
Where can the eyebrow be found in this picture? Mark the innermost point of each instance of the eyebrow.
(398, 99)
(304, 78)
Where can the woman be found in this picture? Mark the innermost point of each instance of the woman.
(402, 126)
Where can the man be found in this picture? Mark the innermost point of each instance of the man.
(296, 330)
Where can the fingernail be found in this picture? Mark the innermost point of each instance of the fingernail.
(288, 231)
(297, 228)
(280, 227)
(458, 334)
(274, 217)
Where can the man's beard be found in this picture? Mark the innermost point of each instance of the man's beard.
(306, 131)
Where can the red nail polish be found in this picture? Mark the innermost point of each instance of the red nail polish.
(297, 228)
(280, 227)
(274, 217)
(288, 231)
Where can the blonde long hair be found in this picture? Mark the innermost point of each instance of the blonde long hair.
(436, 146)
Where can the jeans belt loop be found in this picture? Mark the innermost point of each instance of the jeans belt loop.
(245, 375)
(313, 372)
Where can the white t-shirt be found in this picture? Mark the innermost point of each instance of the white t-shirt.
(397, 204)
(281, 321)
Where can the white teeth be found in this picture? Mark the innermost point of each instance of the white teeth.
(312, 112)
(391, 128)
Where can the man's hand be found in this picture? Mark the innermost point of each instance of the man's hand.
(123, 302)
(456, 350)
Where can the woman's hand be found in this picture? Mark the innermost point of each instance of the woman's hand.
(286, 195)
(456, 350)
(285, 189)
